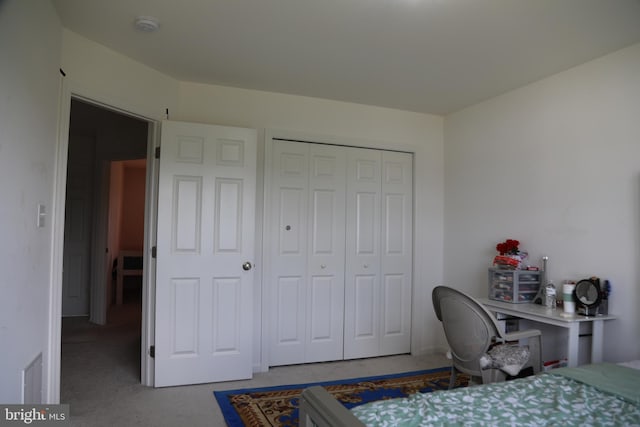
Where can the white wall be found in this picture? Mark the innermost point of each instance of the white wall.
(103, 75)
(29, 84)
(556, 165)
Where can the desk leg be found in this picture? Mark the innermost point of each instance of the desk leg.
(596, 341)
(574, 334)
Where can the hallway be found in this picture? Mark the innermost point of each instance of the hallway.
(100, 363)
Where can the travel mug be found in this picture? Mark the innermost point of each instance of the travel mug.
(567, 297)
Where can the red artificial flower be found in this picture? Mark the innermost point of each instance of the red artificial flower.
(509, 246)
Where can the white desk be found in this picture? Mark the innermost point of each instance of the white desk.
(129, 264)
(556, 317)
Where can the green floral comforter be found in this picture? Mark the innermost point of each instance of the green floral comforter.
(594, 395)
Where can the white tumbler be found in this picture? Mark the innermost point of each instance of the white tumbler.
(567, 297)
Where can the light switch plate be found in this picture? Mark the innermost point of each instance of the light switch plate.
(42, 212)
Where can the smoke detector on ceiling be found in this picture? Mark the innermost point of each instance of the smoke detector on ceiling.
(147, 24)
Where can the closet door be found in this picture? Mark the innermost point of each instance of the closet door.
(288, 235)
(397, 253)
(379, 253)
(326, 252)
(340, 227)
(308, 225)
(362, 286)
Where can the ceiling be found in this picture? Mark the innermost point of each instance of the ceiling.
(429, 56)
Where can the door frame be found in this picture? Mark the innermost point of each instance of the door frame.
(297, 136)
(54, 345)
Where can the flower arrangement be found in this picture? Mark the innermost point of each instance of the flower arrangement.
(508, 247)
(510, 255)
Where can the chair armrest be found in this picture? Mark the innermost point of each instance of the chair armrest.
(517, 335)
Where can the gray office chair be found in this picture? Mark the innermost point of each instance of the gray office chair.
(471, 329)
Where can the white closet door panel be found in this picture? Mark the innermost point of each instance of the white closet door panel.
(327, 207)
(366, 222)
(362, 286)
(288, 232)
(364, 336)
(325, 319)
(366, 292)
(325, 298)
(341, 225)
(392, 313)
(396, 256)
(323, 207)
(291, 229)
(288, 329)
(320, 319)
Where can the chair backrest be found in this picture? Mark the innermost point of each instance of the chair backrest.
(468, 326)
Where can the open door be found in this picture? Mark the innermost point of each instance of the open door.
(205, 251)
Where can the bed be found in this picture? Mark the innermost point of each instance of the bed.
(602, 394)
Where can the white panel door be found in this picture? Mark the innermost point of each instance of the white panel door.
(379, 253)
(326, 251)
(206, 221)
(362, 285)
(288, 234)
(396, 252)
(77, 227)
(307, 279)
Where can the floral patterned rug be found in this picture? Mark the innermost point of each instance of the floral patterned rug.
(278, 406)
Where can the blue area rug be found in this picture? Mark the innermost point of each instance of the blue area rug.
(278, 406)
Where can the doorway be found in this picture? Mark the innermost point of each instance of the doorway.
(104, 216)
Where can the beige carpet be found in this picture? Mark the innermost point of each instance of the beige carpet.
(101, 377)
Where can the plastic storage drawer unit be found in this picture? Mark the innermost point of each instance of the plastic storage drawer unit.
(516, 286)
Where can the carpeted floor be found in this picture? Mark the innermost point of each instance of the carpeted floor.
(101, 377)
(278, 406)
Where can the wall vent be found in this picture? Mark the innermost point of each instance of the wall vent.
(32, 382)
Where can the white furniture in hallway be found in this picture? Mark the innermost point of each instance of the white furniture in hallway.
(129, 263)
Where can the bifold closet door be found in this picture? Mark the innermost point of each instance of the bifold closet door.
(396, 259)
(362, 284)
(378, 253)
(308, 226)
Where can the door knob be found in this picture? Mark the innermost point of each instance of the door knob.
(246, 266)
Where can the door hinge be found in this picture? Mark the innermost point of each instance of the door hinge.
(157, 152)
(154, 252)
(152, 351)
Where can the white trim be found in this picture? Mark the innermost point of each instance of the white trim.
(271, 134)
(266, 254)
(52, 385)
(257, 327)
(98, 293)
(147, 366)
